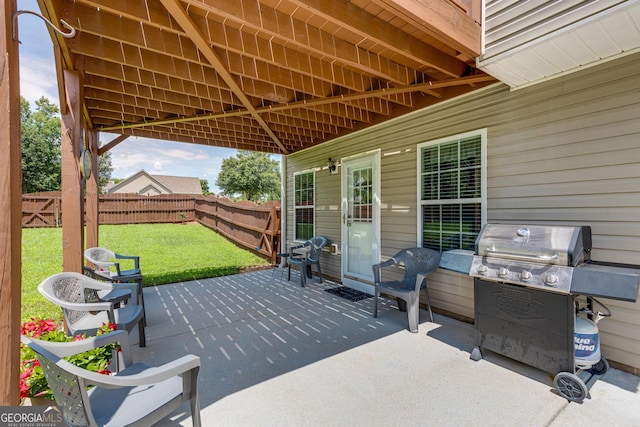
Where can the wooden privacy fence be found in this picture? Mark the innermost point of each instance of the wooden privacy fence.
(255, 227)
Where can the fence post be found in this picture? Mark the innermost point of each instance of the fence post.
(275, 227)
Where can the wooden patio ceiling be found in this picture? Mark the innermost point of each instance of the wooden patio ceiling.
(274, 76)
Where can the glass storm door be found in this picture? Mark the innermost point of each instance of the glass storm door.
(360, 220)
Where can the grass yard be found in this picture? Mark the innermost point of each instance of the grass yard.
(169, 253)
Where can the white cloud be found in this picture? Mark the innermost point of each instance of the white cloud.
(37, 79)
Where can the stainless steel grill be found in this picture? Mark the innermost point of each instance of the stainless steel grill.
(542, 257)
(525, 282)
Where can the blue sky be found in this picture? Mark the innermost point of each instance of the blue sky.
(38, 78)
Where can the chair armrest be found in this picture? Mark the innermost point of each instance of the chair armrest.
(107, 286)
(135, 258)
(420, 277)
(64, 349)
(378, 267)
(106, 265)
(293, 248)
(131, 287)
(151, 375)
(87, 306)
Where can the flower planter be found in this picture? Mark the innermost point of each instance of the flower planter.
(38, 401)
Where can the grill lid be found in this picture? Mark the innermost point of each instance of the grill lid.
(542, 244)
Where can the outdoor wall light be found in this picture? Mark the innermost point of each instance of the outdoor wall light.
(331, 165)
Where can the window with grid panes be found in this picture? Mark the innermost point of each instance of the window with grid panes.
(304, 205)
(450, 191)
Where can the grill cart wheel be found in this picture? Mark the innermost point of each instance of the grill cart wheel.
(570, 386)
(600, 368)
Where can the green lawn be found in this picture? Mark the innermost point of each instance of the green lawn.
(168, 253)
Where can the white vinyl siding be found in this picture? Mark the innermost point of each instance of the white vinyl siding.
(450, 177)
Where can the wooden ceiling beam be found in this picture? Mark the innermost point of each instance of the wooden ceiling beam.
(269, 75)
(168, 108)
(179, 14)
(230, 136)
(148, 35)
(445, 20)
(121, 86)
(463, 81)
(109, 145)
(372, 29)
(228, 141)
(119, 72)
(313, 121)
(118, 52)
(268, 51)
(272, 23)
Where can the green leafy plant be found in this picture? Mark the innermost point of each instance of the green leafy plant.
(32, 380)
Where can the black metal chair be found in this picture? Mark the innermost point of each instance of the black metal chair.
(306, 255)
(418, 264)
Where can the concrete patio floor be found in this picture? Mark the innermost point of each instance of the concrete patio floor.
(276, 354)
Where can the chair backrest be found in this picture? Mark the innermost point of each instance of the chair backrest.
(68, 287)
(68, 389)
(416, 261)
(316, 244)
(102, 259)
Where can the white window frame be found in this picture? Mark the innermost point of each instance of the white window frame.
(296, 207)
(483, 181)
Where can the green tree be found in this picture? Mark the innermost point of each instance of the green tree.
(40, 138)
(205, 187)
(104, 171)
(252, 175)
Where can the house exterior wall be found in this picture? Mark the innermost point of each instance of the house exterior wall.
(562, 152)
(509, 24)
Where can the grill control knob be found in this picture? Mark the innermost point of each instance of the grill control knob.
(503, 272)
(551, 280)
(526, 275)
(482, 269)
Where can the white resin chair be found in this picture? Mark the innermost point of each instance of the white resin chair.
(107, 267)
(135, 394)
(75, 294)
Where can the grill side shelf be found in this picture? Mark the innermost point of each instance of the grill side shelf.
(606, 281)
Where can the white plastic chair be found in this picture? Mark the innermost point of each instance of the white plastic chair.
(418, 263)
(136, 394)
(107, 267)
(72, 292)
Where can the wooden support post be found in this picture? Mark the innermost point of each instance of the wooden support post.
(72, 197)
(10, 210)
(92, 192)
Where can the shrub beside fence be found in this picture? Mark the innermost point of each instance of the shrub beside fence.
(255, 227)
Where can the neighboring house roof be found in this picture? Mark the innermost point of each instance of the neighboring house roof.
(181, 184)
(145, 183)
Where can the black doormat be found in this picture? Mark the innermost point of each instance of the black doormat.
(348, 293)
